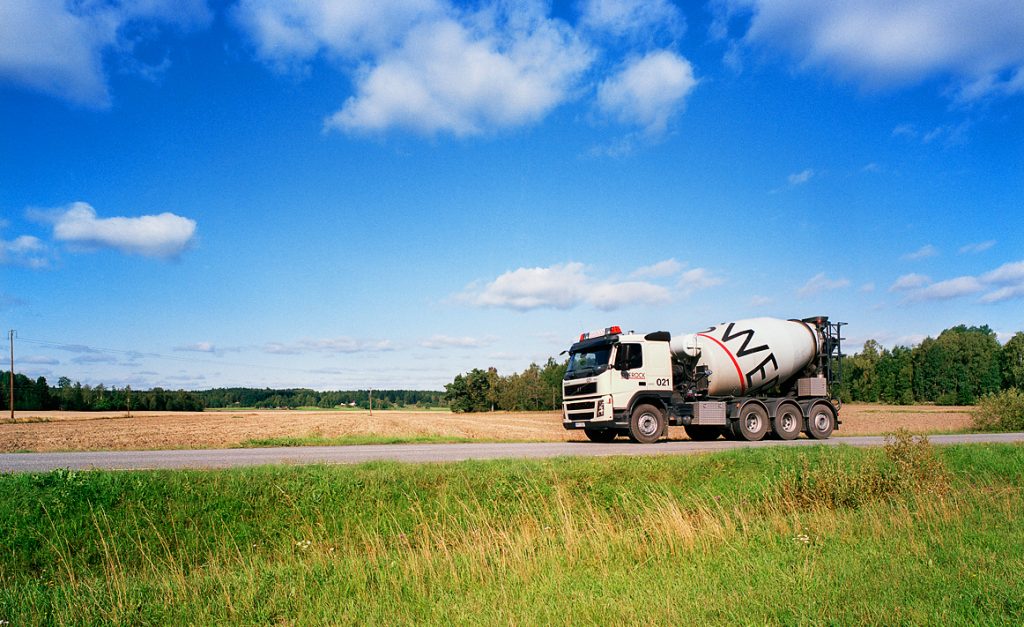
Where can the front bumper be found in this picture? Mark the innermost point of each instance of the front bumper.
(595, 412)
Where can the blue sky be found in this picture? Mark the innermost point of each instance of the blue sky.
(343, 195)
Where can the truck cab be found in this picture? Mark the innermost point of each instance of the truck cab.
(613, 375)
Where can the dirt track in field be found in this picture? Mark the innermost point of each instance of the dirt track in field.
(91, 431)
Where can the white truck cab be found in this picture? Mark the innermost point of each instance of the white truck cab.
(610, 373)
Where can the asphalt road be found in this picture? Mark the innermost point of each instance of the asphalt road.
(235, 457)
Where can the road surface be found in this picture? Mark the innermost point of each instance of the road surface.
(235, 457)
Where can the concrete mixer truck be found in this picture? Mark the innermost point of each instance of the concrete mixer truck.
(743, 380)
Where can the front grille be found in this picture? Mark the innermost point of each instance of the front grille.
(584, 405)
(582, 410)
(580, 389)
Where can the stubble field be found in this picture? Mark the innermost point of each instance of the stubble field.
(89, 431)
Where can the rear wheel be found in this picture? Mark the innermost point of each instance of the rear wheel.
(753, 423)
(702, 433)
(821, 421)
(788, 423)
(647, 424)
(601, 435)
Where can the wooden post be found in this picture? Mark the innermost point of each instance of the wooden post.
(11, 335)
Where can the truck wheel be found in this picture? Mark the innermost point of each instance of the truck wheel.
(646, 425)
(788, 423)
(753, 423)
(600, 435)
(821, 422)
(700, 433)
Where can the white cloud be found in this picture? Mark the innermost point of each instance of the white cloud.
(24, 250)
(164, 235)
(57, 47)
(1006, 273)
(867, 287)
(977, 247)
(668, 267)
(1004, 293)
(923, 252)
(821, 283)
(697, 279)
(328, 345)
(978, 46)
(632, 17)
(39, 360)
(648, 91)
(438, 342)
(760, 301)
(568, 285)
(799, 178)
(945, 290)
(909, 282)
(197, 347)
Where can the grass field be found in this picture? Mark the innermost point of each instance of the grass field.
(71, 431)
(909, 534)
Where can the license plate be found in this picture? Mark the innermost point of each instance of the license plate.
(579, 425)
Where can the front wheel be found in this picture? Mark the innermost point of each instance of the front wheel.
(647, 424)
(600, 435)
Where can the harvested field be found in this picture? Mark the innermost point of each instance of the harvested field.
(86, 431)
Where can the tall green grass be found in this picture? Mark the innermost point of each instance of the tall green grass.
(930, 535)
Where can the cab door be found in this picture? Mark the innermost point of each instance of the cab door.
(628, 376)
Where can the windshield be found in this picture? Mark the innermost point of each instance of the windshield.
(589, 361)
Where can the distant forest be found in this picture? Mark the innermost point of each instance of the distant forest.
(39, 395)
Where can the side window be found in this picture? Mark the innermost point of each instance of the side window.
(630, 356)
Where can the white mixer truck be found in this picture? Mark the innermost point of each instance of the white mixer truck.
(742, 380)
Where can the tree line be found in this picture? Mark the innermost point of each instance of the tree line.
(38, 395)
(959, 367)
(301, 397)
(536, 388)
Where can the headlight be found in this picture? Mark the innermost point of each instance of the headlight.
(600, 409)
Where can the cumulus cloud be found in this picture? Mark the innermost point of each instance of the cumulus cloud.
(568, 285)
(950, 288)
(697, 279)
(668, 267)
(164, 235)
(632, 17)
(909, 282)
(438, 342)
(197, 347)
(977, 247)
(328, 345)
(24, 250)
(57, 47)
(923, 252)
(978, 46)
(648, 91)
(1003, 283)
(821, 283)
(799, 178)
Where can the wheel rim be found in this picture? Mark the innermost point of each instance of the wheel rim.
(647, 425)
(822, 420)
(788, 422)
(753, 422)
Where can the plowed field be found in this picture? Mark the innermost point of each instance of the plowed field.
(83, 431)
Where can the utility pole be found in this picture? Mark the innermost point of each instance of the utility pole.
(371, 402)
(11, 336)
(128, 392)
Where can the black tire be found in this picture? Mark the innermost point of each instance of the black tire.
(788, 423)
(753, 423)
(647, 424)
(702, 433)
(601, 435)
(821, 421)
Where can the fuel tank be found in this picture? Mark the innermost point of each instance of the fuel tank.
(747, 356)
